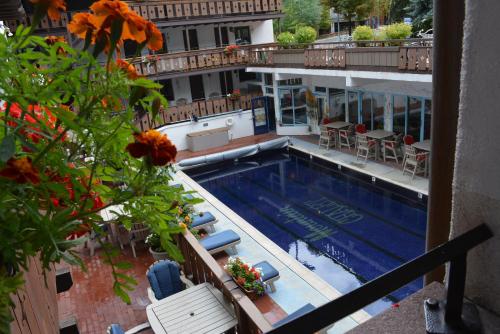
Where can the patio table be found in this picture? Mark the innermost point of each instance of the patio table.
(378, 135)
(424, 145)
(201, 308)
(337, 126)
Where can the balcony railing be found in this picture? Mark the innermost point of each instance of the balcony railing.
(394, 55)
(202, 108)
(202, 267)
(192, 9)
(169, 63)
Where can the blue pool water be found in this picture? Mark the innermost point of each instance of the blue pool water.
(346, 230)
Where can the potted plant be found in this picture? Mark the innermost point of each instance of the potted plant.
(154, 242)
(235, 95)
(246, 276)
(231, 49)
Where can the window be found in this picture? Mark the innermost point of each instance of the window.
(414, 117)
(242, 36)
(366, 110)
(293, 106)
(268, 79)
(320, 89)
(130, 48)
(378, 107)
(290, 82)
(336, 104)
(167, 90)
(399, 114)
(427, 119)
(247, 76)
(353, 107)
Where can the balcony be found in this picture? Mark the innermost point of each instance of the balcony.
(172, 13)
(200, 109)
(394, 56)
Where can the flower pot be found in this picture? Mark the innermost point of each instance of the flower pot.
(250, 293)
(158, 255)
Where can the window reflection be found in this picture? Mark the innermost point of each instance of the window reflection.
(378, 106)
(427, 119)
(336, 104)
(414, 117)
(398, 117)
(366, 110)
(353, 107)
(293, 106)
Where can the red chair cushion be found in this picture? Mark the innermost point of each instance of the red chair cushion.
(408, 140)
(371, 142)
(389, 144)
(421, 156)
(326, 121)
(360, 128)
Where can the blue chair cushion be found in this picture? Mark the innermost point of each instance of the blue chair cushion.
(206, 218)
(300, 312)
(268, 271)
(165, 279)
(115, 329)
(219, 239)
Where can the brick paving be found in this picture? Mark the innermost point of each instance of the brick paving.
(92, 300)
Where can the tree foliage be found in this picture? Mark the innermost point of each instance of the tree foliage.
(421, 11)
(353, 9)
(301, 13)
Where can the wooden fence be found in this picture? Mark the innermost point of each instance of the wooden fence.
(203, 268)
(201, 108)
(35, 310)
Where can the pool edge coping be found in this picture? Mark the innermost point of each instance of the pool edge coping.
(311, 278)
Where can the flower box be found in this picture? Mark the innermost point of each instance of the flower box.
(247, 277)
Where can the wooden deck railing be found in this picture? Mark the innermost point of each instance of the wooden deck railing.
(203, 268)
(202, 108)
(192, 9)
(395, 55)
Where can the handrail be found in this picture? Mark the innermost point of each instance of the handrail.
(204, 268)
(454, 251)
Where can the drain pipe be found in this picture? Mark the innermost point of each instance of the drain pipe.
(447, 60)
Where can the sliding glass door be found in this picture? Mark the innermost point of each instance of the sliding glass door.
(293, 106)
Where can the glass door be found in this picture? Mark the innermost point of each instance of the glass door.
(261, 117)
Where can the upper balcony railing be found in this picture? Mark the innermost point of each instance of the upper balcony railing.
(193, 9)
(189, 61)
(200, 109)
(394, 55)
(176, 11)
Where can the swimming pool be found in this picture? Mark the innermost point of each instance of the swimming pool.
(345, 228)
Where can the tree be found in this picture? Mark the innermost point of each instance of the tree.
(397, 10)
(381, 8)
(353, 9)
(421, 11)
(301, 13)
(326, 21)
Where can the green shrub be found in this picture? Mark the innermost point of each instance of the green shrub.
(362, 33)
(398, 31)
(285, 39)
(379, 35)
(305, 35)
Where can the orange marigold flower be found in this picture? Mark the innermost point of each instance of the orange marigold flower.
(187, 219)
(21, 170)
(155, 145)
(82, 23)
(53, 7)
(128, 68)
(240, 281)
(154, 37)
(182, 225)
(51, 40)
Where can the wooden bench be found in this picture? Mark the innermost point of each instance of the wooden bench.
(201, 140)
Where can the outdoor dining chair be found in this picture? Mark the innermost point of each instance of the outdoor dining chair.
(366, 148)
(414, 163)
(138, 232)
(165, 278)
(390, 150)
(117, 329)
(326, 138)
(345, 139)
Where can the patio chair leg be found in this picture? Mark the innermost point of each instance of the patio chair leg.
(132, 244)
(272, 287)
(212, 228)
(233, 250)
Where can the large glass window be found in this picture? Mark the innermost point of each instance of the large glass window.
(293, 106)
(353, 107)
(399, 114)
(427, 119)
(414, 117)
(336, 104)
(378, 107)
(366, 110)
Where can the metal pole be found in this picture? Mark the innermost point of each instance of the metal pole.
(448, 21)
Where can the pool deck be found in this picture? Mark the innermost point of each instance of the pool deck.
(297, 285)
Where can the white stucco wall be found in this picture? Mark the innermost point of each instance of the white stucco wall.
(242, 127)
(476, 188)
(262, 32)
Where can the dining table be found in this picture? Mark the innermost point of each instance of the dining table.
(201, 308)
(378, 135)
(339, 125)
